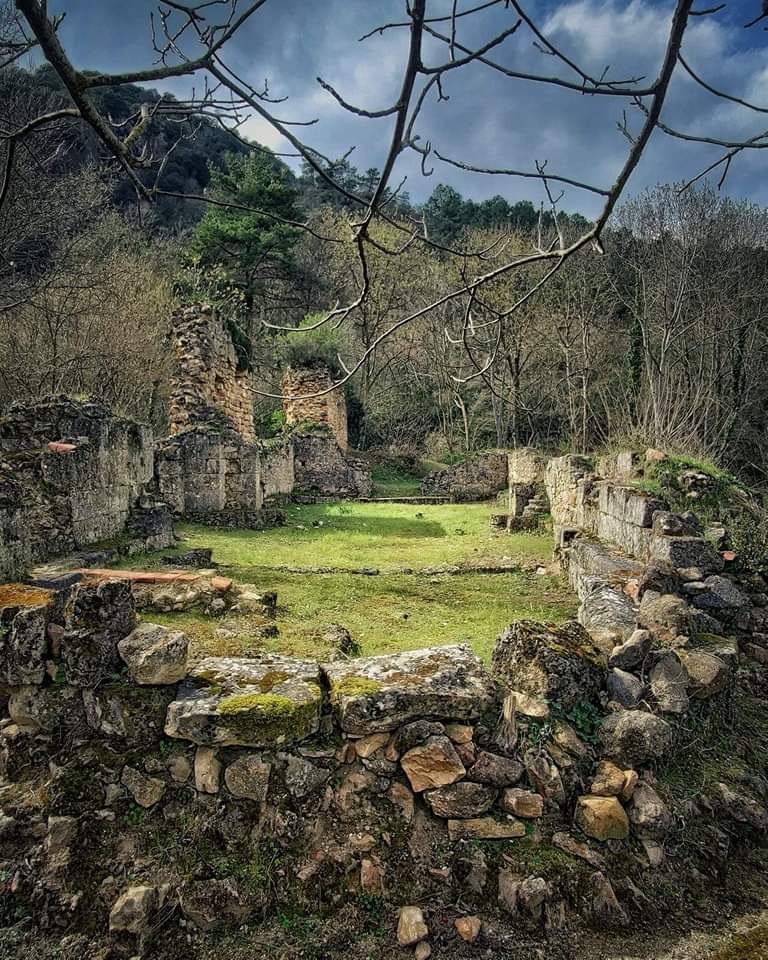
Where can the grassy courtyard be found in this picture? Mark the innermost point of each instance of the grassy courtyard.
(388, 610)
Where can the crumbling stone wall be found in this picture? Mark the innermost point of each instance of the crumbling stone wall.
(479, 477)
(322, 468)
(388, 776)
(212, 467)
(71, 474)
(208, 385)
(328, 410)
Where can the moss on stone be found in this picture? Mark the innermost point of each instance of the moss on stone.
(269, 717)
(21, 595)
(355, 687)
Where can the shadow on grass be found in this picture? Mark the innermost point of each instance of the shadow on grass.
(370, 524)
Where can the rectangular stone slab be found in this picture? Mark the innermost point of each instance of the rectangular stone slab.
(374, 694)
(263, 701)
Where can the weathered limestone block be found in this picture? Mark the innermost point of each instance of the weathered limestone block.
(432, 764)
(560, 663)
(154, 654)
(522, 803)
(98, 617)
(602, 818)
(632, 652)
(262, 701)
(669, 682)
(146, 791)
(683, 552)
(461, 801)
(628, 504)
(625, 688)
(648, 813)
(247, 777)
(128, 712)
(668, 616)
(50, 709)
(590, 561)
(372, 694)
(133, 911)
(632, 737)
(24, 613)
(723, 599)
(495, 770)
(608, 615)
(708, 673)
(303, 778)
(411, 927)
(485, 828)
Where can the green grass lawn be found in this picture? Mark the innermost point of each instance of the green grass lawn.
(388, 536)
(387, 612)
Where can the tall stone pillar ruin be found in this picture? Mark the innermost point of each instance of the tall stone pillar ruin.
(328, 409)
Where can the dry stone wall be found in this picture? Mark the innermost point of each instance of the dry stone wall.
(480, 477)
(72, 474)
(393, 776)
(323, 469)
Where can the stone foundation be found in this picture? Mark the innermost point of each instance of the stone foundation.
(322, 468)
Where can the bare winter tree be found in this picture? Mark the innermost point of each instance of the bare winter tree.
(193, 39)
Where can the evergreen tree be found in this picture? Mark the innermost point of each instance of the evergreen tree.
(250, 247)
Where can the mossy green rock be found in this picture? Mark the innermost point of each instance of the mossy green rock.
(262, 701)
(375, 694)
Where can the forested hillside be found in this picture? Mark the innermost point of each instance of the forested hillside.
(660, 341)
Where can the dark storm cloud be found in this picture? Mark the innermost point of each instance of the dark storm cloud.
(489, 120)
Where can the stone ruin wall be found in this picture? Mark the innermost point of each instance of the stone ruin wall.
(212, 467)
(208, 384)
(479, 477)
(329, 410)
(72, 474)
(324, 466)
(386, 776)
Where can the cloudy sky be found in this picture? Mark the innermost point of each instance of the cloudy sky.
(489, 120)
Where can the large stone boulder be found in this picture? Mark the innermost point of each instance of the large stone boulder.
(372, 694)
(154, 654)
(684, 552)
(668, 616)
(608, 615)
(632, 737)
(558, 663)
(262, 701)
